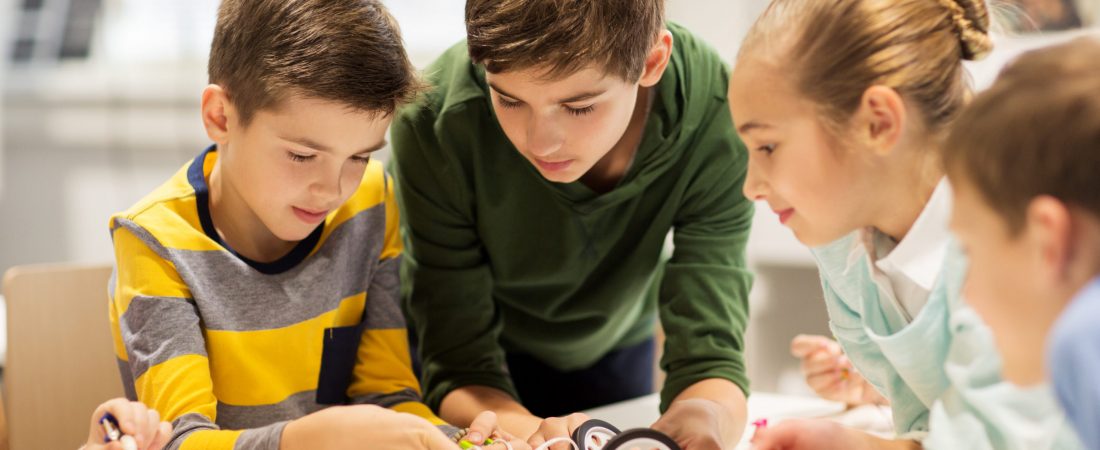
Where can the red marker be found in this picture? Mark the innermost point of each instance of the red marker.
(759, 424)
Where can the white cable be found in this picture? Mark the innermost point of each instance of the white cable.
(546, 445)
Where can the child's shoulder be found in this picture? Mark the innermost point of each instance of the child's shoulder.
(169, 214)
(692, 51)
(1077, 323)
(453, 79)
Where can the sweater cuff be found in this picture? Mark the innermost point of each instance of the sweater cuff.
(682, 378)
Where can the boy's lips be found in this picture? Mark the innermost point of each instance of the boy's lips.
(553, 166)
(784, 215)
(309, 216)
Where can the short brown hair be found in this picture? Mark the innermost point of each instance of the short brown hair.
(1035, 132)
(348, 51)
(837, 49)
(563, 36)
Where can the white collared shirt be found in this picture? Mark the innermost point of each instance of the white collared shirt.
(906, 271)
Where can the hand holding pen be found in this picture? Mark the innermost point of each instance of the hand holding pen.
(829, 373)
(120, 424)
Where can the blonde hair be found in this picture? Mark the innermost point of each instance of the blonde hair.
(836, 49)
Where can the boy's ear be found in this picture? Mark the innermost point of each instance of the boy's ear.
(215, 113)
(880, 120)
(1049, 226)
(657, 60)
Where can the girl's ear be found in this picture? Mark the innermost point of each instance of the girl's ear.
(880, 119)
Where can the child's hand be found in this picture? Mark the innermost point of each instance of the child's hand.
(819, 434)
(140, 424)
(363, 426)
(557, 427)
(485, 426)
(695, 423)
(830, 374)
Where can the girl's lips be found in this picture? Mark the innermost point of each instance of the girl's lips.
(308, 216)
(785, 215)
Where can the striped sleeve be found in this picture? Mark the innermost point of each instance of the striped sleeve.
(160, 345)
(383, 371)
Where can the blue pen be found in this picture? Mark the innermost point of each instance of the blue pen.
(112, 432)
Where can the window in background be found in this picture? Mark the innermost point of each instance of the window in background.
(1050, 15)
(52, 30)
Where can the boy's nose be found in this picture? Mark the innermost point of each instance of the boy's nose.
(326, 190)
(544, 138)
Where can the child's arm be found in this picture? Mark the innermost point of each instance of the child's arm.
(137, 422)
(362, 426)
(383, 371)
(157, 334)
(451, 301)
(703, 297)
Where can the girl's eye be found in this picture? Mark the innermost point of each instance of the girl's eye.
(580, 111)
(769, 149)
(299, 157)
(361, 159)
(507, 103)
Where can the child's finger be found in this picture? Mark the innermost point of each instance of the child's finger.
(844, 362)
(140, 419)
(805, 344)
(127, 442)
(820, 363)
(152, 422)
(160, 439)
(773, 438)
(824, 383)
(536, 440)
(113, 406)
(482, 427)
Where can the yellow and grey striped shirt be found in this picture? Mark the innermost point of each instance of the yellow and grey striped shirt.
(230, 349)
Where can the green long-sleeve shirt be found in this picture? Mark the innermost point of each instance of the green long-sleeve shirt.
(500, 259)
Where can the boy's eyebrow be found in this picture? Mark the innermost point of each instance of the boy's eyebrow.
(575, 98)
(307, 142)
(582, 96)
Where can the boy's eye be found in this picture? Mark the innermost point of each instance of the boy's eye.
(580, 111)
(505, 103)
(298, 157)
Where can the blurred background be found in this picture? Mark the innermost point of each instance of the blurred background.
(99, 105)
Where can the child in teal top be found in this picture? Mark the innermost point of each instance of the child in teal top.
(842, 119)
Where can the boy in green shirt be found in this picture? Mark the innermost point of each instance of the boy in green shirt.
(538, 181)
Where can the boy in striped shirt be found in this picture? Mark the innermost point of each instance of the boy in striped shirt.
(258, 286)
